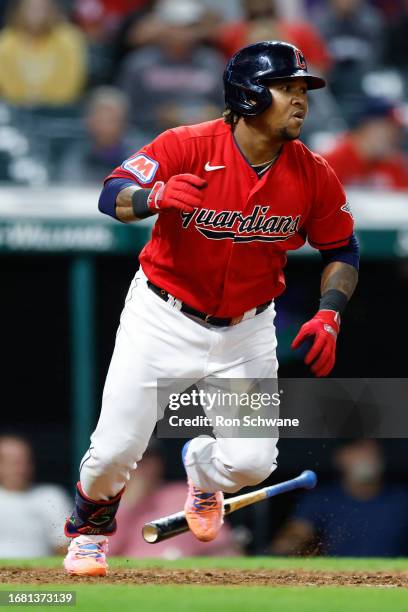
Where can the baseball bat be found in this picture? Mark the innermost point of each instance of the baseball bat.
(174, 524)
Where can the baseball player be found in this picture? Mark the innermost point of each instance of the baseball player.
(231, 197)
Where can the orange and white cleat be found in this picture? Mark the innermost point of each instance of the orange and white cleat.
(86, 557)
(204, 511)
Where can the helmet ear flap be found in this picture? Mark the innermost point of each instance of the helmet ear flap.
(260, 99)
(266, 94)
(248, 99)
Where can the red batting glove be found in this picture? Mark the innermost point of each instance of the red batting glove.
(324, 327)
(182, 191)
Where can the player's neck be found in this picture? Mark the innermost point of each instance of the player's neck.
(257, 146)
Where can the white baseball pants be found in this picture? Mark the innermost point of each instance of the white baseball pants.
(155, 340)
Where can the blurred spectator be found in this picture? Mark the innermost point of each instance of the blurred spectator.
(145, 26)
(229, 10)
(292, 10)
(175, 81)
(31, 515)
(262, 22)
(353, 30)
(369, 155)
(99, 19)
(361, 516)
(148, 497)
(42, 57)
(133, 31)
(107, 140)
(104, 25)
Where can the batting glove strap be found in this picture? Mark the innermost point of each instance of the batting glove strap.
(155, 196)
(333, 299)
(140, 204)
(323, 328)
(91, 517)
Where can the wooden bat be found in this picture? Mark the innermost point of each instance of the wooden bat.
(174, 524)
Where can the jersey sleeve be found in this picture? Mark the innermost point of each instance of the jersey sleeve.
(157, 161)
(330, 224)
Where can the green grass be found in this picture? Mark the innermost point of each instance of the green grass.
(194, 598)
(165, 598)
(312, 563)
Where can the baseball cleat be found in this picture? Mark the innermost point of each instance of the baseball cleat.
(204, 511)
(86, 557)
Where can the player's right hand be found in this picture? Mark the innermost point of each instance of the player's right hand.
(182, 191)
(323, 328)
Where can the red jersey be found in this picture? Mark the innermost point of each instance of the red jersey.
(228, 256)
(353, 169)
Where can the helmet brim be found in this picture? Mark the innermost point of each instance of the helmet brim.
(313, 81)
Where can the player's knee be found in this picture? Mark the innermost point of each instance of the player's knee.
(105, 459)
(251, 476)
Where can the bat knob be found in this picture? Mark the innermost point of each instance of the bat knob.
(308, 479)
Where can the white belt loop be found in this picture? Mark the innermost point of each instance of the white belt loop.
(174, 302)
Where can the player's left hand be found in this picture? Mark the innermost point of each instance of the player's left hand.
(323, 328)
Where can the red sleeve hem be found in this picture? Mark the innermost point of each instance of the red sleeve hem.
(121, 174)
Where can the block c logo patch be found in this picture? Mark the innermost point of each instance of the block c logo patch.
(142, 167)
(300, 60)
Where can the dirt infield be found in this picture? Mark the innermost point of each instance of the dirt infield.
(216, 577)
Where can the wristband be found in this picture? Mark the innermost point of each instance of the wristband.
(349, 254)
(333, 299)
(140, 204)
(110, 191)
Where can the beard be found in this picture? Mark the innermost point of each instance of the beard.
(286, 134)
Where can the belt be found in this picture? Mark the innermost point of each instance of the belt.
(217, 321)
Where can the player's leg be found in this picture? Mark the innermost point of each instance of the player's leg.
(151, 343)
(226, 464)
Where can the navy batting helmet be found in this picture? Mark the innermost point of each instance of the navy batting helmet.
(249, 69)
